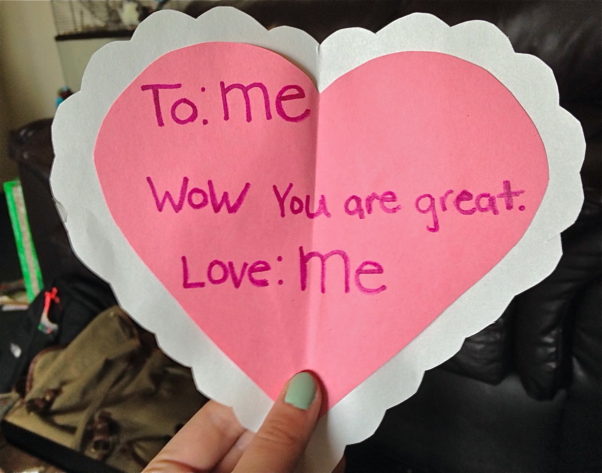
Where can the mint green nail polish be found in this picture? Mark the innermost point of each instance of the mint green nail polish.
(301, 390)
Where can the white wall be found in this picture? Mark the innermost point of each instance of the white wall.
(30, 69)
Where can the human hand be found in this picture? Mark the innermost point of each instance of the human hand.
(214, 441)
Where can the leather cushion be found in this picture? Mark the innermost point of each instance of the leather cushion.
(543, 325)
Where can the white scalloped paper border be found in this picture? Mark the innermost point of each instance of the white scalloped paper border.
(99, 243)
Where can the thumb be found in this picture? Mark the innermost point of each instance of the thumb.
(281, 440)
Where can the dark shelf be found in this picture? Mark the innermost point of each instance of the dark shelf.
(95, 34)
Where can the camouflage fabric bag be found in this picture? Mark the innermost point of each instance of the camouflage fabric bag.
(111, 394)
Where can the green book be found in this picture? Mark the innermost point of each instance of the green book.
(28, 258)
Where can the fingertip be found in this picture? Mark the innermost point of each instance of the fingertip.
(303, 390)
(283, 436)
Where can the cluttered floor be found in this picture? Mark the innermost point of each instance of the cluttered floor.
(13, 459)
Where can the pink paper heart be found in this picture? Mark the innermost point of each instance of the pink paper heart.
(399, 133)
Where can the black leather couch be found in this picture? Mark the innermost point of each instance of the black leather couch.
(525, 394)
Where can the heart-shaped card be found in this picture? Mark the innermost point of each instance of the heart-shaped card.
(268, 205)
